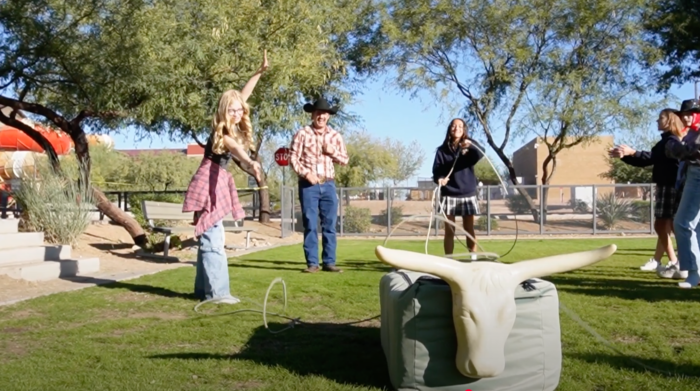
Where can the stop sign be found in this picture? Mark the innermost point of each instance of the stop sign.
(282, 156)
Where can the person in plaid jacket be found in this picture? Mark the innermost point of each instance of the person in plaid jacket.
(212, 193)
(314, 151)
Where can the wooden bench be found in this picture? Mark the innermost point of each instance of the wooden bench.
(153, 210)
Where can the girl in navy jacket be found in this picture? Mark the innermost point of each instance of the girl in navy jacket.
(666, 196)
(458, 189)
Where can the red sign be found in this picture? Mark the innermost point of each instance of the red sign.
(282, 156)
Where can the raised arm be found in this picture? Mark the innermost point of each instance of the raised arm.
(250, 85)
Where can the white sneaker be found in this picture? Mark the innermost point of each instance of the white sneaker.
(228, 300)
(651, 265)
(672, 271)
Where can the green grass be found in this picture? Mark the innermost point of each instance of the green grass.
(143, 334)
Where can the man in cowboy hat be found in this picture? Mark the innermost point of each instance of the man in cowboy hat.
(687, 112)
(690, 108)
(314, 151)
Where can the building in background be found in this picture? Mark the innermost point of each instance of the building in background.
(578, 168)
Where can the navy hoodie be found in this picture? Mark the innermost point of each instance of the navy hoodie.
(665, 168)
(462, 182)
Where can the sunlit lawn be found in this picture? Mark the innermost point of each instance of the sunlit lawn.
(144, 335)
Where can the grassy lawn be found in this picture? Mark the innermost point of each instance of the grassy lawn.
(144, 335)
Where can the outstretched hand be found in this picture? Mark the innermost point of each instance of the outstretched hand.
(265, 64)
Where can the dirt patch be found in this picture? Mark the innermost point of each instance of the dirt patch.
(12, 330)
(157, 315)
(628, 339)
(132, 297)
(22, 314)
(12, 350)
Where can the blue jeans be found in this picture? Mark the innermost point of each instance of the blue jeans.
(686, 221)
(314, 199)
(211, 280)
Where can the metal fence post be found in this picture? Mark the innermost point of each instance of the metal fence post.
(283, 206)
(542, 207)
(595, 211)
(488, 210)
(387, 192)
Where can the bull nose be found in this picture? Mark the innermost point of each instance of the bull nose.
(483, 369)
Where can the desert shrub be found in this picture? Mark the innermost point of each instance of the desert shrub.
(517, 203)
(481, 223)
(54, 204)
(642, 211)
(396, 215)
(356, 220)
(612, 210)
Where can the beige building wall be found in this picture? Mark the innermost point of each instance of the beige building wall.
(579, 165)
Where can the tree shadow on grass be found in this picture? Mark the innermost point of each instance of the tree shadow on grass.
(660, 367)
(114, 284)
(346, 354)
(651, 291)
(349, 264)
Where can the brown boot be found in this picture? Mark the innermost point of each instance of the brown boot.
(310, 269)
(331, 268)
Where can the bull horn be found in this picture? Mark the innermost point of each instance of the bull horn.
(546, 266)
(422, 263)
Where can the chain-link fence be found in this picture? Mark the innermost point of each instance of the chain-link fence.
(525, 209)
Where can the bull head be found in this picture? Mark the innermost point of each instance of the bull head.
(483, 298)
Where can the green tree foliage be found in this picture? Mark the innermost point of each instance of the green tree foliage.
(485, 173)
(566, 70)
(621, 172)
(674, 25)
(407, 159)
(369, 160)
(160, 66)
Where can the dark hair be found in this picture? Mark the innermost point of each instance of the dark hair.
(446, 142)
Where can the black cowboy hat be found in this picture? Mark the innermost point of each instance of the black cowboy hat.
(320, 104)
(690, 106)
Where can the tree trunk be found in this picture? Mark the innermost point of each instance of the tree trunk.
(264, 210)
(120, 217)
(102, 203)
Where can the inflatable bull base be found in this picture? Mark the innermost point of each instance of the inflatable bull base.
(418, 337)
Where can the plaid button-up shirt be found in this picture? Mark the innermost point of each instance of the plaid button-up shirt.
(211, 195)
(307, 155)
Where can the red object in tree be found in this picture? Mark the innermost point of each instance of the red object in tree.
(282, 156)
(12, 139)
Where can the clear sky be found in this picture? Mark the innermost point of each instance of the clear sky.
(387, 112)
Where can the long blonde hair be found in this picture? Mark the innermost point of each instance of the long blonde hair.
(222, 125)
(672, 122)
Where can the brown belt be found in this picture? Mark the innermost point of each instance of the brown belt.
(324, 180)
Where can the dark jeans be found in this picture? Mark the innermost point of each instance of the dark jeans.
(314, 199)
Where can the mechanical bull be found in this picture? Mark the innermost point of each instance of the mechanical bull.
(449, 325)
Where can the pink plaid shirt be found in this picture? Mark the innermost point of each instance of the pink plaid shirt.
(212, 195)
(307, 152)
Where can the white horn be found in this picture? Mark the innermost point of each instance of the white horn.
(541, 267)
(423, 263)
